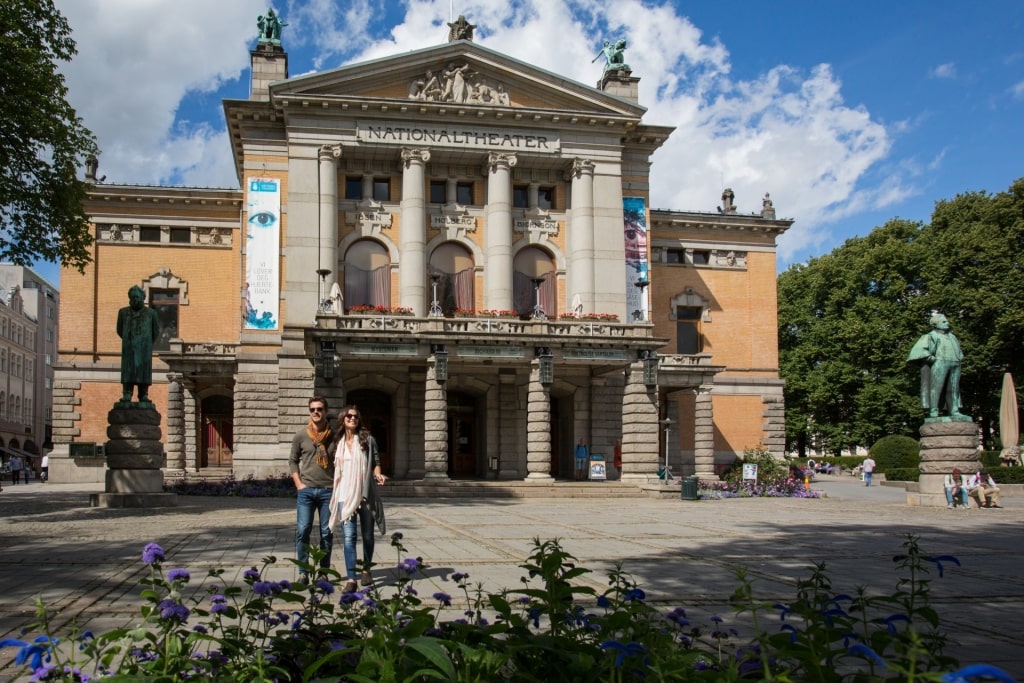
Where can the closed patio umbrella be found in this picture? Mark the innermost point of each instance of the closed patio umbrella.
(1009, 428)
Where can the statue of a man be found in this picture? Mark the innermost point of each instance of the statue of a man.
(138, 327)
(613, 55)
(940, 355)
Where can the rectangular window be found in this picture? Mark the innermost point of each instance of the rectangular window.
(149, 234)
(47, 359)
(675, 256)
(353, 187)
(688, 337)
(165, 303)
(181, 235)
(701, 257)
(464, 193)
(546, 198)
(382, 189)
(520, 196)
(437, 192)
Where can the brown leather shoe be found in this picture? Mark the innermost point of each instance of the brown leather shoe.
(350, 586)
(366, 579)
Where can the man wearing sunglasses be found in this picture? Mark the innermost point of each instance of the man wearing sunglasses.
(311, 462)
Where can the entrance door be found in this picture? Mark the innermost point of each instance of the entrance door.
(462, 437)
(375, 408)
(217, 432)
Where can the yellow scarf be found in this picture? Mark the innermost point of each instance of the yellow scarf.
(318, 439)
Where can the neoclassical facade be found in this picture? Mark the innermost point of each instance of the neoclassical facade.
(457, 242)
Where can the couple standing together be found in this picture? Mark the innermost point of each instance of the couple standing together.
(336, 472)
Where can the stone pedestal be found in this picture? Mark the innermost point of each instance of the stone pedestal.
(134, 458)
(945, 444)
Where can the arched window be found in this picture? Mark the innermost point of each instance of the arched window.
(367, 275)
(453, 264)
(530, 264)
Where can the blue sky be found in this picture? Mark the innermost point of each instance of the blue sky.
(849, 114)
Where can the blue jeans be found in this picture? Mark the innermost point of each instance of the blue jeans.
(310, 500)
(867, 478)
(348, 530)
(962, 496)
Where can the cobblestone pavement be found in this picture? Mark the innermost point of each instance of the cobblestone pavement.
(86, 562)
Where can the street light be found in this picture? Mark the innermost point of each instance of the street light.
(538, 310)
(667, 423)
(650, 359)
(435, 305)
(641, 313)
(547, 365)
(440, 352)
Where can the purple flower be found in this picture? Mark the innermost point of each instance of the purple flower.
(458, 577)
(443, 598)
(634, 594)
(262, 588)
(172, 611)
(251, 575)
(603, 601)
(325, 586)
(218, 608)
(152, 554)
(199, 628)
(178, 575)
(409, 565)
(349, 598)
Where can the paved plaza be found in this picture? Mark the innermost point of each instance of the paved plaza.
(86, 562)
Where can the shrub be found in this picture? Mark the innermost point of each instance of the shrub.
(895, 452)
(902, 474)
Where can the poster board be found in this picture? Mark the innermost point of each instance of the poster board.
(750, 471)
(598, 470)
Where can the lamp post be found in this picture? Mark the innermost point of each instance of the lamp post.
(538, 310)
(641, 313)
(547, 365)
(667, 423)
(324, 305)
(435, 305)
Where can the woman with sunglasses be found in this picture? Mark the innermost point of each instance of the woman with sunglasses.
(356, 478)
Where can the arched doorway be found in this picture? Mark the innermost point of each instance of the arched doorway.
(463, 436)
(375, 408)
(217, 432)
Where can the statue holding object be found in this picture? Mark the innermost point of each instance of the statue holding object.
(269, 26)
(940, 356)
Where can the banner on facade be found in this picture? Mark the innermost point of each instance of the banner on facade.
(634, 213)
(262, 252)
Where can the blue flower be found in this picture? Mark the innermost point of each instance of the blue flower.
(890, 622)
(251, 575)
(793, 631)
(987, 671)
(939, 559)
(152, 554)
(349, 598)
(409, 565)
(535, 613)
(866, 652)
(199, 628)
(603, 601)
(171, 610)
(325, 586)
(262, 588)
(634, 594)
(30, 652)
(178, 575)
(624, 651)
(783, 610)
(443, 598)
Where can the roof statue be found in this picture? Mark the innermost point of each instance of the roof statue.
(457, 83)
(269, 26)
(460, 30)
(767, 207)
(613, 55)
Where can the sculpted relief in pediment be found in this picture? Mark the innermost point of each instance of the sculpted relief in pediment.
(457, 84)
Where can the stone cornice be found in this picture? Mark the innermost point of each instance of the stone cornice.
(664, 219)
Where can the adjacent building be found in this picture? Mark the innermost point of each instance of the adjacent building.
(457, 242)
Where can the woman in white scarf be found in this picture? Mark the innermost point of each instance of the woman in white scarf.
(356, 478)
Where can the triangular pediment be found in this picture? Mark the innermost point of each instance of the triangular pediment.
(461, 74)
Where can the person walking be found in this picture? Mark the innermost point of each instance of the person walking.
(868, 467)
(312, 470)
(354, 494)
(16, 466)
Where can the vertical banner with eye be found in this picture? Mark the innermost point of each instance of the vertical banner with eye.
(262, 248)
(634, 215)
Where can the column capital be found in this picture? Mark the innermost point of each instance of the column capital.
(329, 152)
(579, 168)
(412, 154)
(496, 160)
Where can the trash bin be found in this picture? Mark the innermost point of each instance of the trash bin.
(690, 487)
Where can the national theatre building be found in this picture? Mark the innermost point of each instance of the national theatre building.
(457, 242)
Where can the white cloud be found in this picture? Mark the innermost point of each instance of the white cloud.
(947, 70)
(1017, 90)
(787, 131)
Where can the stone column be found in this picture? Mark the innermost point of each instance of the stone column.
(704, 435)
(640, 456)
(192, 407)
(175, 422)
(945, 444)
(580, 237)
(328, 156)
(367, 187)
(538, 427)
(412, 276)
(435, 427)
(498, 233)
(508, 419)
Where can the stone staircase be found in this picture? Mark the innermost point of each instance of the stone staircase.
(463, 488)
(206, 474)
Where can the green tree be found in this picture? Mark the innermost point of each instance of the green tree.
(43, 142)
(848, 319)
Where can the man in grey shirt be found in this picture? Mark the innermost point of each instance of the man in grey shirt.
(311, 463)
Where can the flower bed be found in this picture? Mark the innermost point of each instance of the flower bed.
(553, 626)
(590, 317)
(360, 309)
